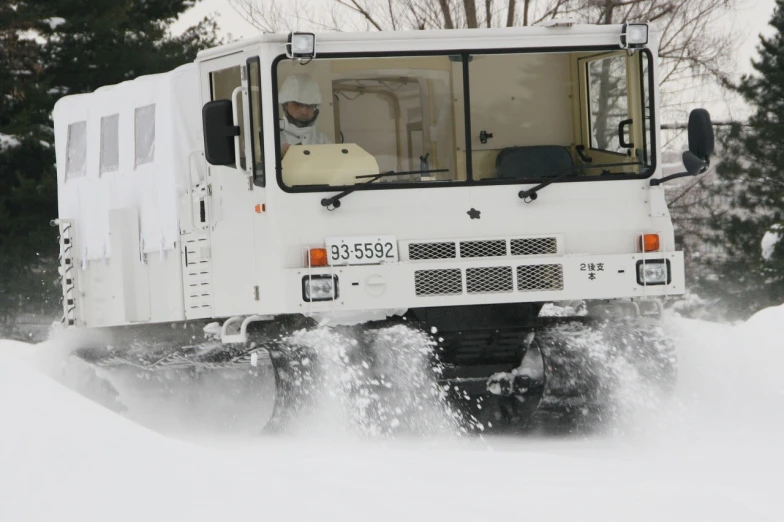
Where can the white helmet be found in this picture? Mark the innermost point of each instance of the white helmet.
(301, 89)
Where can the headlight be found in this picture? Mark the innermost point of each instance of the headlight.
(634, 35)
(319, 288)
(653, 272)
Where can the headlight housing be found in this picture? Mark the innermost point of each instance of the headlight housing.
(651, 272)
(322, 287)
(634, 36)
(301, 45)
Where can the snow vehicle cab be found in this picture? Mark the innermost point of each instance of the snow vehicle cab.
(453, 180)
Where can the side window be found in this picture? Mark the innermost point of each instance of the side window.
(222, 83)
(110, 143)
(607, 101)
(254, 96)
(76, 152)
(144, 135)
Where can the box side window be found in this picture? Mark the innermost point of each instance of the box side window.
(76, 154)
(110, 143)
(144, 135)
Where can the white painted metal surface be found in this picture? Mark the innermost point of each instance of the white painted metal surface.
(208, 242)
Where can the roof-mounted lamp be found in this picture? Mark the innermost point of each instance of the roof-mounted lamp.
(301, 45)
(634, 36)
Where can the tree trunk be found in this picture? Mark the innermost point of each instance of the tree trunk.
(510, 13)
(448, 23)
(470, 12)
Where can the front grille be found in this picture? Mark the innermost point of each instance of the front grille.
(444, 250)
(492, 248)
(438, 282)
(540, 277)
(531, 246)
(534, 246)
(489, 279)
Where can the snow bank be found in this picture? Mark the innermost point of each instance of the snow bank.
(718, 457)
(769, 241)
(54, 22)
(730, 377)
(7, 141)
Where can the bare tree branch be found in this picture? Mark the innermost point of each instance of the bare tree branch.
(354, 5)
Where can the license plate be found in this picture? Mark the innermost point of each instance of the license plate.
(369, 250)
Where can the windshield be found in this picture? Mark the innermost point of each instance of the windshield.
(463, 119)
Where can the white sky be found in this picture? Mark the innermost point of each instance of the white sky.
(749, 21)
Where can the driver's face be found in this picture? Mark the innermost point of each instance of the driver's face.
(300, 111)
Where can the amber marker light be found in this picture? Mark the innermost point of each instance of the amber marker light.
(317, 257)
(649, 242)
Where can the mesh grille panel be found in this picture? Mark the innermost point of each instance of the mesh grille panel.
(438, 282)
(483, 248)
(489, 279)
(534, 246)
(540, 277)
(444, 250)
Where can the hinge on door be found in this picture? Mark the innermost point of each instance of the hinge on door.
(242, 73)
(255, 293)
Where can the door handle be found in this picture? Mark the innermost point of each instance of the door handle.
(622, 134)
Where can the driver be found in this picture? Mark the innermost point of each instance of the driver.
(300, 98)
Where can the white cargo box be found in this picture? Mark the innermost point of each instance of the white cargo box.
(128, 146)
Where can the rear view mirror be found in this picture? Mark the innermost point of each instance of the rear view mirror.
(219, 132)
(700, 135)
(696, 160)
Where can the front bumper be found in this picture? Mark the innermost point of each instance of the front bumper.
(417, 284)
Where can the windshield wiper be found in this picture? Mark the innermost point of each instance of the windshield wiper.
(531, 194)
(334, 201)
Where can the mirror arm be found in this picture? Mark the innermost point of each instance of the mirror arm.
(659, 181)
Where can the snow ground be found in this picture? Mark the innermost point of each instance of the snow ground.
(715, 453)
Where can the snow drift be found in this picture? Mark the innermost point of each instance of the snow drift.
(711, 453)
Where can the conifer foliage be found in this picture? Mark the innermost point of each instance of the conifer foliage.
(751, 171)
(50, 48)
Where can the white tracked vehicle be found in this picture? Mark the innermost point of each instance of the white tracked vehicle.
(452, 181)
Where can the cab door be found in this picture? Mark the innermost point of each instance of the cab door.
(230, 189)
(612, 121)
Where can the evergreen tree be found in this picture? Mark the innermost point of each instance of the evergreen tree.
(752, 173)
(50, 48)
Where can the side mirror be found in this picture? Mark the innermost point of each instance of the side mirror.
(219, 132)
(700, 135)
(701, 140)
